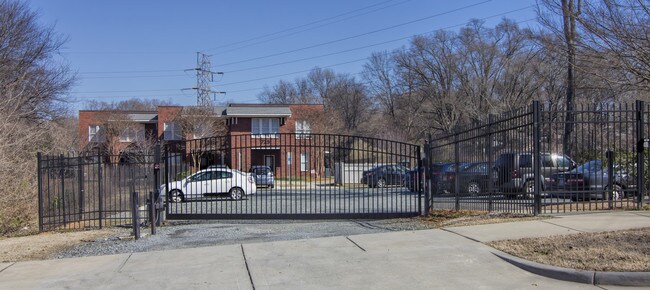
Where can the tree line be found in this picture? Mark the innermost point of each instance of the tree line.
(581, 52)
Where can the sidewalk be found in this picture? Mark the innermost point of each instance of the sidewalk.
(433, 259)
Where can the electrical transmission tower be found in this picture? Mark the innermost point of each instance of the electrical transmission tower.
(204, 76)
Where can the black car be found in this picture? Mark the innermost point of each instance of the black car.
(514, 172)
(473, 178)
(439, 174)
(591, 181)
(383, 175)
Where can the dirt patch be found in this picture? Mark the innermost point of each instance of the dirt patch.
(43, 245)
(450, 218)
(619, 251)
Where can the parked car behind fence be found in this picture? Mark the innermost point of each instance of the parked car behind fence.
(591, 181)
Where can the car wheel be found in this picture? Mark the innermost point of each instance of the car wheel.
(529, 189)
(236, 193)
(176, 196)
(473, 188)
(381, 183)
(617, 192)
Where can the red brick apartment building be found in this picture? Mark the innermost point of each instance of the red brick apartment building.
(255, 133)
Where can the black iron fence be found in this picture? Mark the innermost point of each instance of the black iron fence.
(541, 159)
(90, 191)
(538, 159)
(289, 176)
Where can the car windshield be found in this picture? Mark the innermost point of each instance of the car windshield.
(590, 166)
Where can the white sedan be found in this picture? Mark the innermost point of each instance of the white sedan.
(211, 181)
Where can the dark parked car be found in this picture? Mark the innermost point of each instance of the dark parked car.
(263, 175)
(473, 178)
(441, 173)
(590, 181)
(514, 172)
(383, 175)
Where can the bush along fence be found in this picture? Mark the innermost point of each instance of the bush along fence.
(88, 191)
(541, 159)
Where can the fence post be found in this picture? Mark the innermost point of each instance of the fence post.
(456, 170)
(537, 203)
(135, 214)
(155, 196)
(490, 159)
(39, 182)
(426, 182)
(640, 174)
(62, 177)
(80, 180)
(610, 177)
(135, 211)
(99, 189)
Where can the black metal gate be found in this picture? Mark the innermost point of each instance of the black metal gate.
(290, 175)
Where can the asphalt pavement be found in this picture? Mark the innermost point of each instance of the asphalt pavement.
(451, 258)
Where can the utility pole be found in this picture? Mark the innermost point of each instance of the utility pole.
(204, 76)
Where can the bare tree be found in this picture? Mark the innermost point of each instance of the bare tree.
(32, 85)
(568, 11)
(133, 104)
(199, 123)
(616, 35)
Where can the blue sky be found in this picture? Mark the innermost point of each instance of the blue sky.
(122, 49)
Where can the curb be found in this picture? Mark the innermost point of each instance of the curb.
(578, 276)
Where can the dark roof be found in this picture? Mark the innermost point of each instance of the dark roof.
(144, 117)
(258, 111)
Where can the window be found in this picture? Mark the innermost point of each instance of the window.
(526, 161)
(223, 175)
(547, 161)
(304, 162)
(563, 161)
(265, 127)
(94, 133)
(303, 130)
(171, 131)
(132, 134)
(200, 131)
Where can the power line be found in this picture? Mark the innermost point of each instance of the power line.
(131, 91)
(358, 35)
(134, 77)
(376, 44)
(302, 71)
(297, 27)
(310, 28)
(132, 71)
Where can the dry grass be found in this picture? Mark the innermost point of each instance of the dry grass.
(620, 251)
(42, 246)
(450, 218)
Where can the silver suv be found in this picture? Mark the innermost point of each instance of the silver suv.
(514, 172)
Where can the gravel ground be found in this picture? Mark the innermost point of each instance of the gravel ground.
(177, 234)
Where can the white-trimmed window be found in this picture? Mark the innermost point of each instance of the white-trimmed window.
(171, 131)
(132, 134)
(265, 127)
(94, 133)
(303, 130)
(304, 161)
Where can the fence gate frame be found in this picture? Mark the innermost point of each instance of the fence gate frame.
(331, 200)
